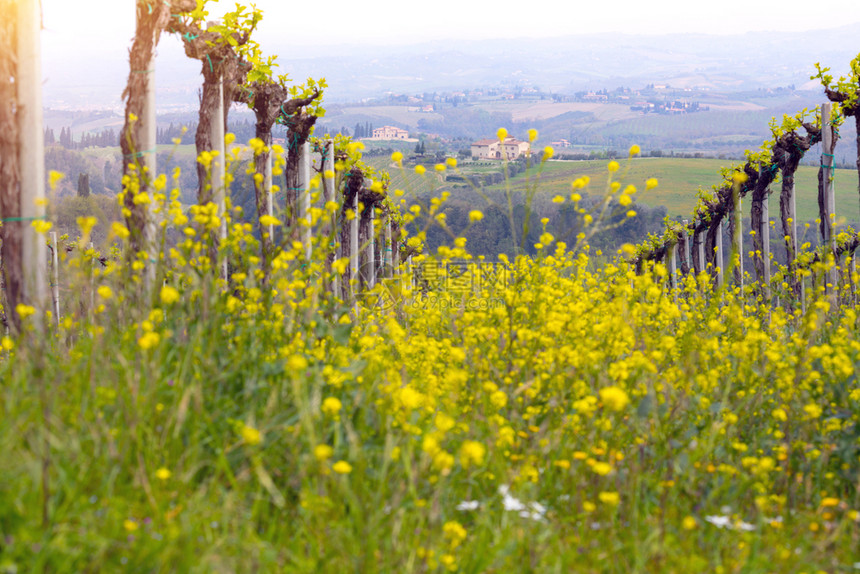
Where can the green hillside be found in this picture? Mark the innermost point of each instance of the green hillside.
(679, 179)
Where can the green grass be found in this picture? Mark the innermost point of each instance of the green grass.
(593, 420)
(680, 178)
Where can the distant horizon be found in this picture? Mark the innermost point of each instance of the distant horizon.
(365, 53)
(53, 40)
(109, 24)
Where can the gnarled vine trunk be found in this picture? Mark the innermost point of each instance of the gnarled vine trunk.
(299, 126)
(10, 207)
(787, 152)
(352, 189)
(848, 111)
(683, 240)
(152, 20)
(760, 192)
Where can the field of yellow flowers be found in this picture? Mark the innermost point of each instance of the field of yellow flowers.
(568, 416)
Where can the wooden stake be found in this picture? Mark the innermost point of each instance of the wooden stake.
(387, 261)
(55, 279)
(305, 197)
(92, 281)
(329, 195)
(353, 256)
(219, 169)
(3, 299)
(698, 239)
(267, 183)
(31, 155)
(687, 245)
(829, 219)
(853, 275)
(792, 208)
(328, 174)
(738, 243)
(765, 243)
(673, 271)
(371, 250)
(147, 150)
(719, 257)
(395, 251)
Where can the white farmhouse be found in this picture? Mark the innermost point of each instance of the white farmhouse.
(486, 149)
(509, 149)
(390, 133)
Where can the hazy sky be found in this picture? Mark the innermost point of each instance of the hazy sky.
(109, 24)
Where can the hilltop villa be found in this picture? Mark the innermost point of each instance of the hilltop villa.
(510, 149)
(390, 133)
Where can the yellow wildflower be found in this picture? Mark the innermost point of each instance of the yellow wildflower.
(148, 340)
(130, 525)
(331, 406)
(610, 498)
(250, 435)
(323, 452)
(169, 295)
(472, 453)
(24, 311)
(614, 398)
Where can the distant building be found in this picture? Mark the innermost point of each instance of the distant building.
(593, 97)
(510, 149)
(486, 149)
(514, 148)
(390, 133)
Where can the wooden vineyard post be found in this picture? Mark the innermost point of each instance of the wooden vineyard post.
(829, 204)
(410, 275)
(270, 199)
(387, 262)
(792, 212)
(738, 244)
(219, 169)
(25, 249)
(92, 310)
(719, 257)
(4, 303)
(395, 250)
(673, 270)
(55, 276)
(304, 195)
(371, 250)
(329, 195)
(700, 245)
(355, 250)
(687, 245)
(765, 243)
(853, 275)
(148, 148)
